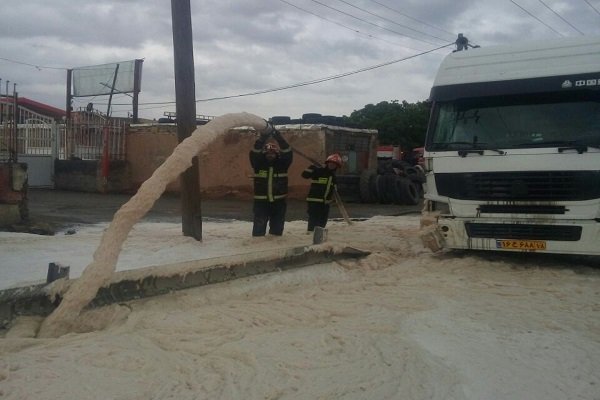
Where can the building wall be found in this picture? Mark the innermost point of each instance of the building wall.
(224, 163)
(13, 193)
(86, 176)
(148, 146)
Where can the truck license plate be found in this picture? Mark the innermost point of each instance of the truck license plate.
(521, 244)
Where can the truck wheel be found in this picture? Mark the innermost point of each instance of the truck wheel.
(408, 191)
(367, 195)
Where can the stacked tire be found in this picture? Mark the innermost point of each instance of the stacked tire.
(389, 188)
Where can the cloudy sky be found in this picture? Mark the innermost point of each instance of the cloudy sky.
(243, 47)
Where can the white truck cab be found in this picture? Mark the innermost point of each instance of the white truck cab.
(512, 152)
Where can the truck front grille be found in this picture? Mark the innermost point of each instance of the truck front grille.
(524, 231)
(514, 186)
(520, 209)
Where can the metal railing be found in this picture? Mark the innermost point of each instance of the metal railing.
(83, 138)
(89, 132)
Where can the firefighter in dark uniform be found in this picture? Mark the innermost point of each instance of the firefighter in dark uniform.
(270, 162)
(322, 186)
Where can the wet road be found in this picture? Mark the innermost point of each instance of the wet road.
(64, 208)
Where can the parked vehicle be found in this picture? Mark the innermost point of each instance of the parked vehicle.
(512, 153)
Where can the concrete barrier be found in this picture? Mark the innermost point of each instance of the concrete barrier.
(129, 285)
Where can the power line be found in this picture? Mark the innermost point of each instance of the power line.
(329, 78)
(371, 23)
(539, 20)
(593, 8)
(307, 83)
(38, 67)
(346, 27)
(560, 16)
(413, 18)
(391, 21)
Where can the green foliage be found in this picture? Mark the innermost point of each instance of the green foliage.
(401, 124)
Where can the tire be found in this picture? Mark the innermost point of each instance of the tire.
(311, 118)
(382, 191)
(385, 188)
(408, 191)
(396, 190)
(375, 187)
(365, 187)
(420, 189)
(280, 120)
(415, 174)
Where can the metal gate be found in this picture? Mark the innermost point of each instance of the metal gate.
(38, 144)
(38, 140)
(91, 136)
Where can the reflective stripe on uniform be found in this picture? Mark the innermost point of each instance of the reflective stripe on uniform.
(270, 184)
(265, 174)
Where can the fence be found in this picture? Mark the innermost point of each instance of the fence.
(89, 133)
(85, 137)
(8, 132)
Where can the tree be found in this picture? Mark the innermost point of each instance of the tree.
(401, 124)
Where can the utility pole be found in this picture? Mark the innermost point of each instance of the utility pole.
(69, 96)
(185, 97)
(137, 84)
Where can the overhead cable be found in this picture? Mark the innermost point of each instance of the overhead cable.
(561, 17)
(413, 18)
(307, 83)
(539, 20)
(391, 21)
(371, 23)
(593, 8)
(38, 67)
(347, 27)
(329, 78)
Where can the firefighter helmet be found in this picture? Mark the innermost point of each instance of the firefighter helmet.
(270, 148)
(334, 158)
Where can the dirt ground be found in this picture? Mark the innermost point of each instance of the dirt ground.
(63, 208)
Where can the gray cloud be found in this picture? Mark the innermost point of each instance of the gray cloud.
(251, 45)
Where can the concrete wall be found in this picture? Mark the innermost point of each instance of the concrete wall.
(13, 193)
(86, 176)
(224, 163)
(148, 146)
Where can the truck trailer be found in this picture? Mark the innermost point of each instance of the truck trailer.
(512, 152)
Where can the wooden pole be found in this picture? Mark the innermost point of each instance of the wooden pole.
(185, 96)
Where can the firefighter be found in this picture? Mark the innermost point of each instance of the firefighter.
(270, 158)
(322, 186)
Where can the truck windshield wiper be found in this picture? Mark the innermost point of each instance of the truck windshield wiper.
(478, 148)
(581, 148)
(564, 145)
(469, 147)
(480, 151)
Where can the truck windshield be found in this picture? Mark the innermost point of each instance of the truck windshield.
(538, 120)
